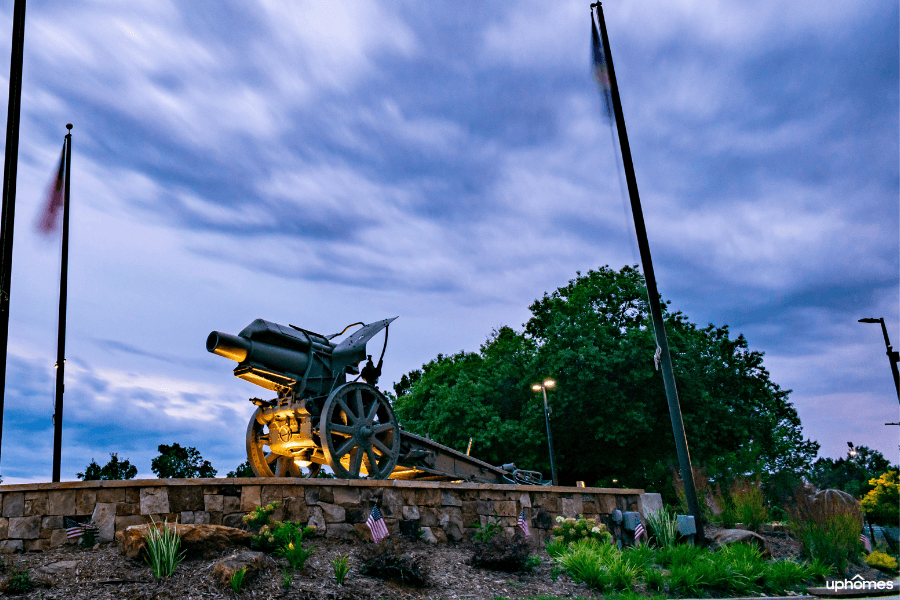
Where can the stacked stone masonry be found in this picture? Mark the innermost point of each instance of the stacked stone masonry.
(32, 515)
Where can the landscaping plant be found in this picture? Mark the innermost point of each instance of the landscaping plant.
(662, 526)
(341, 568)
(880, 560)
(163, 544)
(486, 531)
(828, 528)
(388, 561)
(295, 554)
(745, 504)
(237, 579)
(572, 530)
(19, 581)
(88, 538)
(260, 515)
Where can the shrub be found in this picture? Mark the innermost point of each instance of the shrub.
(487, 531)
(828, 528)
(387, 561)
(163, 543)
(882, 504)
(746, 501)
(582, 561)
(88, 538)
(663, 527)
(260, 515)
(19, 581)
(296, 555)
(554, 548)
(502, 554)
(341, 568)
(572, 530)
(880, 560)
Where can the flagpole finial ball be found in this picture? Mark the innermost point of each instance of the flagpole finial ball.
(69, 126)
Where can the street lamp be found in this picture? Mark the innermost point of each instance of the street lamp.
(548, 383)
(893, 356)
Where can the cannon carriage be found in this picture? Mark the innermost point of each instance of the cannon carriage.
(320, 418)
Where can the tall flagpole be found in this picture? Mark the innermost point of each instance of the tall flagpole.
(61, 340)
(684, 457)
(10, 169)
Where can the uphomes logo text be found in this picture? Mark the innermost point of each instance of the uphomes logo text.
(858, 583)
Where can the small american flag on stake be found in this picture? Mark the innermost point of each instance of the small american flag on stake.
(376, 525)
(638, 532)
(522, 522)
(865, 542)
(75, 529)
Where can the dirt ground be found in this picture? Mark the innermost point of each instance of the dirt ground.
(103, 573)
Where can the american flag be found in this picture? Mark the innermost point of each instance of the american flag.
(48, 219)
(376, 525)
(75, 529)
(600, 72)
(522, 522)
(638, 532)
(865, 542)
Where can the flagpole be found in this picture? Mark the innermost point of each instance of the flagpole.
(681, 446)
(61, 339)
(10, 169)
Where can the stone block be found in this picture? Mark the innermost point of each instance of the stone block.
(589, 506)
(44, 534)
(357, 514)
(4, 528)
(606, 503)
(38, 507)
(35, 495)
(215, 518)
(341, 531)
(126, 509)
(650, 504)
(391, 502)
(85, 501)
(233, 520)
(469, 512)
(14, 504)
(346, 496)
(427, 536)
(250, 497)
(231, 504)
(201, 517)
(113, 495)
(449, 498)
(320, 494)
(429, 516)
(269, 494)
(55, 522)
(123, 522)
(506, 508)
(428, 497)
(185, 498)
(187, 517)
(58, 537)
(104, 517)
(370, 494)
(317, 520)
(333, 513)
(572, 507)
(12, 546)
(295, 510)
(410, 513)
(133, 495)
(38, 545)
(25, 528)
(154, 501)
(409, 496)
(548, 502)
(484, 507)
(362, 532)
(214, 502)
(452, 526)
(525, 500)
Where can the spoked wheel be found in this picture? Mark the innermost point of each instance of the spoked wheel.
(266, 463)
(359, 432)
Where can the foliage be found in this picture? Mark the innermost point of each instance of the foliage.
(570, 530)
(278, 535)
(243, 470)
(745, 504)
(260, 515)
(707, 495)
(286, 579)
(827, 527)
(850, 474)
(882, 503)
(237, 579)
(341, 568)
(19, 581)
(678, 555)
(610, 416)
(487, 531)
(113, 470)
(163, 543)
(177, 462)
(880, 560)
(388, 561)
(662, 526)
(582, 561)
(295, 554)
(88, 538)
(501, 553)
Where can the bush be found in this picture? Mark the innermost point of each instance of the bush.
(237, 579)
(745, 504)
(388, 561)
(296, 555)
(278, 535)
(19, 581)
(582, 561)
(828, 528)
(260, 515)
(882, 504)
(487, 531)
(501, 553)
(880, 560)
(572, 530)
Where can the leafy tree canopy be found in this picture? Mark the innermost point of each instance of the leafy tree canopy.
(243, 470)
(113, 470)
(610, 419)
(851, 474)
(177, 462)
(882, 503)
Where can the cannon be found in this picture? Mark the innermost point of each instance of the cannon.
(320, 418)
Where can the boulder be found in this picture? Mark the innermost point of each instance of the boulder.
(196, 540)
(724, 537)
(254, 562)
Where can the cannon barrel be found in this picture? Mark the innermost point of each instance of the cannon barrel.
(242, 350)
(230, 346)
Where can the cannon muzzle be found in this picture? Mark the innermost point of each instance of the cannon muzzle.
(230, 346)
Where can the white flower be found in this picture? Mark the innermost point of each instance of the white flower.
(560, 519)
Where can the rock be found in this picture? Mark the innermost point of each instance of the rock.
(255, 562)
(316, 520)
(332, 512)
(724, 537)
(196, 540)
(58, 568)
(104, 517)
(154, 501)
(651, 504)
(11, 546)
(428, 536)
(410, 513)
(25, 528)
(453, 527)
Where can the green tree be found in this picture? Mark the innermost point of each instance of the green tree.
(243, 470)
(882, 503)
(177, 462)
(113, 470)
(609, 417)
(851, 474)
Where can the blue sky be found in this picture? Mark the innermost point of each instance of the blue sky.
(321, 164)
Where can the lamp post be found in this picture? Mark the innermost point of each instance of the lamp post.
(548, 383)
(893, 356)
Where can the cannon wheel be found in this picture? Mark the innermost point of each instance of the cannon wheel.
(359, 432)
(268, 464)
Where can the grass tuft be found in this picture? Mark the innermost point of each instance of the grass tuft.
(163, 544)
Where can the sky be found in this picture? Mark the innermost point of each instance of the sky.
(320, 164)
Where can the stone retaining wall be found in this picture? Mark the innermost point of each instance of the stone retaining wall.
(32, 515)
